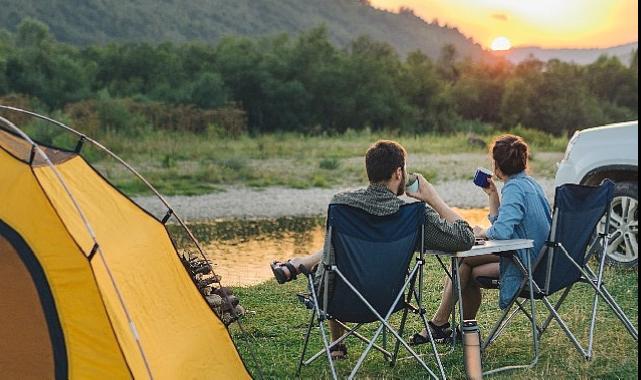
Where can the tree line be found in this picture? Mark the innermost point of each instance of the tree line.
(307, 84)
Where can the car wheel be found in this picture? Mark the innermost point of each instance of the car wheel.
(623, 247)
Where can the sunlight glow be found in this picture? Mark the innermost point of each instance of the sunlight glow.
(544, 23)
(500, 43)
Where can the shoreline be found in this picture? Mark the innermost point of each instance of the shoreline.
(276, 202)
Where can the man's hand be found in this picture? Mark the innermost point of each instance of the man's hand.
(426, 192)
(479, 232)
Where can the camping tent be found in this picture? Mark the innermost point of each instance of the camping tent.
(90, 284)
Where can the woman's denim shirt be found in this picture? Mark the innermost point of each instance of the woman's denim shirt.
(524, 213)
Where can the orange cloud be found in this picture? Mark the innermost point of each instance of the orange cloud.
(499, 16)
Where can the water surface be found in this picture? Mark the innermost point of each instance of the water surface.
(241, 250)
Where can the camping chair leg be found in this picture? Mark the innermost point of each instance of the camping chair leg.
(607, 297)
(535, 337)
(596, 295)
(309, 332)
(321, 318)
(498, 327)
(437, 356)
(527, 315)
(397, 345)
(557, 306)
(589, 274)
(564, 327)
(385, 324)
(350, 331)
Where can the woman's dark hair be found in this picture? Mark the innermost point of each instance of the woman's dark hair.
(382, 159)
(509, 153)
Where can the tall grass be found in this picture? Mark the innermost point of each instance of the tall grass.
(188, 163)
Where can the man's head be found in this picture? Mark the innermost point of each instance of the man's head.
(385, 164)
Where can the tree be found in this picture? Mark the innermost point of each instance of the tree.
(447, 63)
(424, 91)
(32, 33)
(208, 91)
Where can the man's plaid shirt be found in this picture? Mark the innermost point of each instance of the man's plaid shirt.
(378, 200)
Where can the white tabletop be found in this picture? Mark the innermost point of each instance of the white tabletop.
(490, 246)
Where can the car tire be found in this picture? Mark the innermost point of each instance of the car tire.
(623, 248)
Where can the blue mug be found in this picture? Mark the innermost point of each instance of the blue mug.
(482, 177)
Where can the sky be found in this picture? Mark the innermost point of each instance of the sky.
(544, 23)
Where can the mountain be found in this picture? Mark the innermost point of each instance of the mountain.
(580, 56)
(84, 22)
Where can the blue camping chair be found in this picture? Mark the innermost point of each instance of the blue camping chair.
(368, 279)
(562, 263)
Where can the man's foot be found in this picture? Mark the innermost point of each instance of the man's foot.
(440, 334)
(284, 272)
(338, 352)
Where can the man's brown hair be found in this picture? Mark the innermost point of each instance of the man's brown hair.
(510, 154)
(382, 159)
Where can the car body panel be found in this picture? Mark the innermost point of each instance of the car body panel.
(614, 146)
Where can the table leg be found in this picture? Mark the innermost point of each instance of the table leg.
(457, 297)
(460, 293)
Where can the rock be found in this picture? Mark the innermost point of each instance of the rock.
(214, 300)
(475, 140)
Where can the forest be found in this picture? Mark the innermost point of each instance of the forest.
(304, 84)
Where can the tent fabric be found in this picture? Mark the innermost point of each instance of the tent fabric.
(179, 334)
(92, 349)
(21, 149)
(578, 210)
(26, 322)
(371, 250)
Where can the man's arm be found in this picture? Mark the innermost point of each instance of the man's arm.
(445, 229)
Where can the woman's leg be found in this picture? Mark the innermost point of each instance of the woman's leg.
(465, 272)
(472, 295)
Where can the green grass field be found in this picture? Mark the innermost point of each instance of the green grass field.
(277, 324)
(190, 164)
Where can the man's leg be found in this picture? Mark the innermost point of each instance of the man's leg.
(309, 262)
(336, 331)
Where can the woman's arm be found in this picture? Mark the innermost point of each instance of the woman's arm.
(510, 213)
(493, 198)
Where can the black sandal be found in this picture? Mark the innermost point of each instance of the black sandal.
(418, 339)
(339, 348)
(279, 273)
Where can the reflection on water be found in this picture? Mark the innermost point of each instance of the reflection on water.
(241, 250)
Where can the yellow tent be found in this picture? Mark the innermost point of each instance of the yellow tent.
(91, 286)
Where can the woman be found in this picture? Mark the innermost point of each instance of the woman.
(521, 212)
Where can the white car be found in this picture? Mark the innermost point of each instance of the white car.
(610, 151)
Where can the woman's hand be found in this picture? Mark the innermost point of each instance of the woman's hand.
(491, 189)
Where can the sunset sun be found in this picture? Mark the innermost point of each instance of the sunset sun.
(500, 43)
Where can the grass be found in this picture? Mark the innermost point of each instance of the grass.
(278, 323)
(188, 164)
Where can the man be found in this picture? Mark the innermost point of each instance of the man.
(385, 162)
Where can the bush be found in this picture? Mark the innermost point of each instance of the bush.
(331, 163)
(540, 139)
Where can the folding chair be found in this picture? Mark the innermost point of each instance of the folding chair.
(562, 263)
(368, 279)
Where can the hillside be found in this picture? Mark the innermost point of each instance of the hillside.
(101, 21)
(579, 56)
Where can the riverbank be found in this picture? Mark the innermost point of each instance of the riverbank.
(275, 202)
